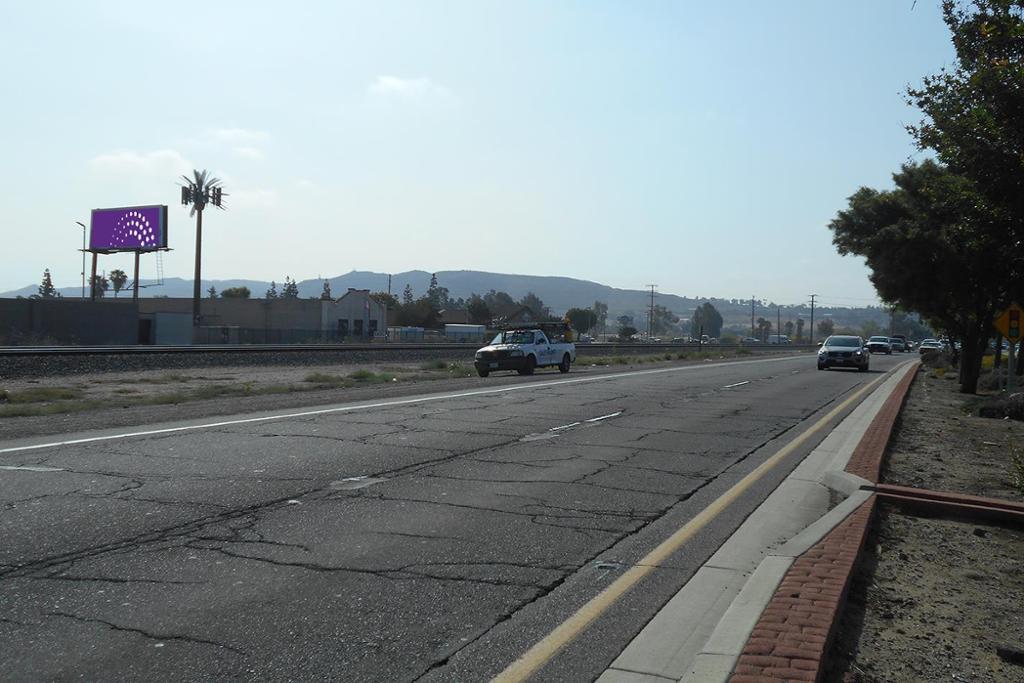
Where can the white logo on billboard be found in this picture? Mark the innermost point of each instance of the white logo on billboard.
(134, 229)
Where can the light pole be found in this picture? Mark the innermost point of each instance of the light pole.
(83, 258)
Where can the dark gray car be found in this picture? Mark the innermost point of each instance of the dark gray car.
(843, 351)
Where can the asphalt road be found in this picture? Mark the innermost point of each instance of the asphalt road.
(434, 537)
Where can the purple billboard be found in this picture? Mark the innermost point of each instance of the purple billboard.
(129, 228)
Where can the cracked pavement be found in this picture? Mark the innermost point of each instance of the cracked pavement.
(432, 540)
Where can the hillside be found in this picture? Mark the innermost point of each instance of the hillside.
(559, 293)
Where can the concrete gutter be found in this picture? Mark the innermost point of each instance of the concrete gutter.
(700, 633)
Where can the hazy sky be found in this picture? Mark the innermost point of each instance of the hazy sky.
(702, 146)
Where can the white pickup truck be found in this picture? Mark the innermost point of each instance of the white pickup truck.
(524, 349)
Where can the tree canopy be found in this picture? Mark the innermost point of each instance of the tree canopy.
(932, 248)
(235, 293)
(581, 319)
(706, 320)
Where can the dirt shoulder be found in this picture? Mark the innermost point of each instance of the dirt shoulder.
(939, 599)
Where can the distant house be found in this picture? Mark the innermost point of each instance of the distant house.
(454, 316)
(355, 314)
(513, 315)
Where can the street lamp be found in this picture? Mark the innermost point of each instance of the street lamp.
(83, 257)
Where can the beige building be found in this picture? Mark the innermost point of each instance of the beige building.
(355, 316)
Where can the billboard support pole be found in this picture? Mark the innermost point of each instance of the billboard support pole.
(92, 280)
(199, 257)
(135, 289)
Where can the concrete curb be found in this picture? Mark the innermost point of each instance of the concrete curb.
(701, 632)
(929, 503)
(791, 638)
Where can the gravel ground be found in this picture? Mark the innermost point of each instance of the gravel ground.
(936, 599)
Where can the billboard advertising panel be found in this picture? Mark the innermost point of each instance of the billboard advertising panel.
(129, 228)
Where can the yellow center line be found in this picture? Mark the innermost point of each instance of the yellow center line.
(538, 655)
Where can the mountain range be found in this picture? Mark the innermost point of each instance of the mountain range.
(558, 293)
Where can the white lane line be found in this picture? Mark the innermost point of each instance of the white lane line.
(30, 468)
(555, 429)
(603, 417)
(738, 384)
(387, 404)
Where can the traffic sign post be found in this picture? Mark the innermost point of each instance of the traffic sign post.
(1009, 322)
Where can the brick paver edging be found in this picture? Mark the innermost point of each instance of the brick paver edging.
(790, 640)
(866, 460)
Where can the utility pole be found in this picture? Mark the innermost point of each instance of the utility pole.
(813, 296)
(751, 315)
(199, 191)
(83, 258)
(778, 323)
(650, 315)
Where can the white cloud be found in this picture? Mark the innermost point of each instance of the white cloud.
(253, 198)
(247, 152)
(163, 162)
(414, 90)
(240, 136)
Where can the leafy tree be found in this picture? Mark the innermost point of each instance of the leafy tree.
(706, 317)
(212, 291)
(118, 278)
(870, 328)
(100, 284)
(326, 294)
(407, 297)
(826, 327)
(534, 303)
(437, 295)
(788, 327)
(933, 230)
(290, 290)
(581, 319)
(272, 292)
(385, 299)
(479, 311)
(601, 312)
(496, 300)
(46, 289)
(236, 293)
(664, 320)
(974, 112)
(626, 332)
(799, 329)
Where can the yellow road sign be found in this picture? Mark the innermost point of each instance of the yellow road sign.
(1009, 322)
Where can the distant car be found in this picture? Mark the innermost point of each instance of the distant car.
(779, 339)
(879, 344)
(898, 344)
(750, 340)
(843, 351)
(930, 346)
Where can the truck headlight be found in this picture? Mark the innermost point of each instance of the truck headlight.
(479, 355)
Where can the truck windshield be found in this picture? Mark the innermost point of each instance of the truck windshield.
(513, 337)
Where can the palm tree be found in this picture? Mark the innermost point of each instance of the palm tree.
(118, 278)
(200, 190)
